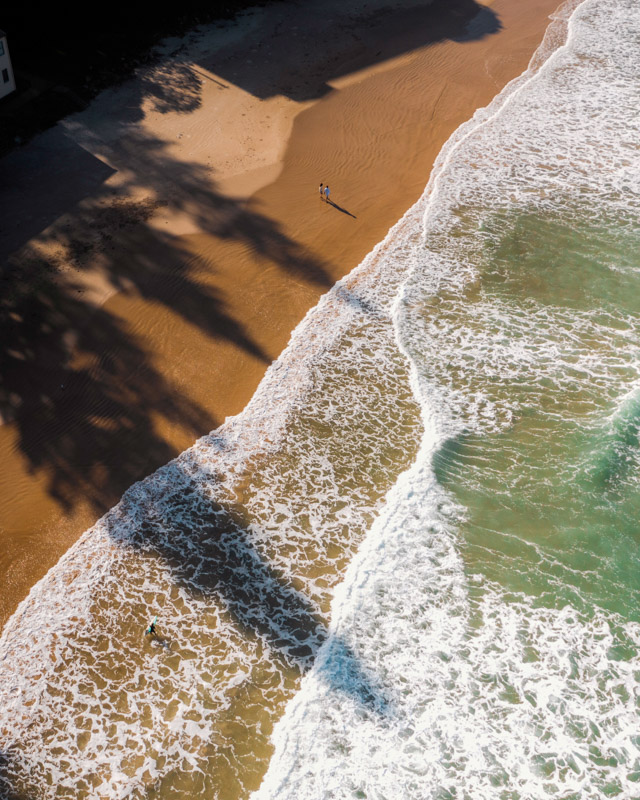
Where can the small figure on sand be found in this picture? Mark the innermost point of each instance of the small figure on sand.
(321, 191)
(326, 192)
(152, 627)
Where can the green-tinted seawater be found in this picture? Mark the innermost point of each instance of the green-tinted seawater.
(552, 500)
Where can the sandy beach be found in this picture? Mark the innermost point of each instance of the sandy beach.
(161, 245)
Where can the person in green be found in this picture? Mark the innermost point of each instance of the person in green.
(152, 627)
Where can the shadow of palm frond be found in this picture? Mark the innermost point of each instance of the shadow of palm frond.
(77, 381)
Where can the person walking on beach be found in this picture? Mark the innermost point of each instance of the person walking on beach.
(321, 191)
(326, 192)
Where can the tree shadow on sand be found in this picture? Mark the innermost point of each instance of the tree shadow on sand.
(351, 42)
(75, 381)
(213, 556)
(8, 789)
(75, 59)
(213, 553)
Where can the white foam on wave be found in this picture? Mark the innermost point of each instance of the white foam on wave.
(469, 688)
(475, 695)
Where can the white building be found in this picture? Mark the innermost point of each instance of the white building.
(7, 81)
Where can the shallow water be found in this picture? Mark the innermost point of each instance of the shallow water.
(453, 431)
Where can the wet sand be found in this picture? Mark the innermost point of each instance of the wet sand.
(165, 242)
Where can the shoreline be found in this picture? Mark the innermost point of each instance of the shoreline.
(240, 265)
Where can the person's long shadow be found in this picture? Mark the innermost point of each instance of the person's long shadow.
(339, 208)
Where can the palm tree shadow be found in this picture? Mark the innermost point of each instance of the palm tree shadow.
(213, 553)
(78, 59)
(76, 382)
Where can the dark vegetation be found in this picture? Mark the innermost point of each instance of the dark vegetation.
(63, 58)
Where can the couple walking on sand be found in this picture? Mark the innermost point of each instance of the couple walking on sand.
(324, 192)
